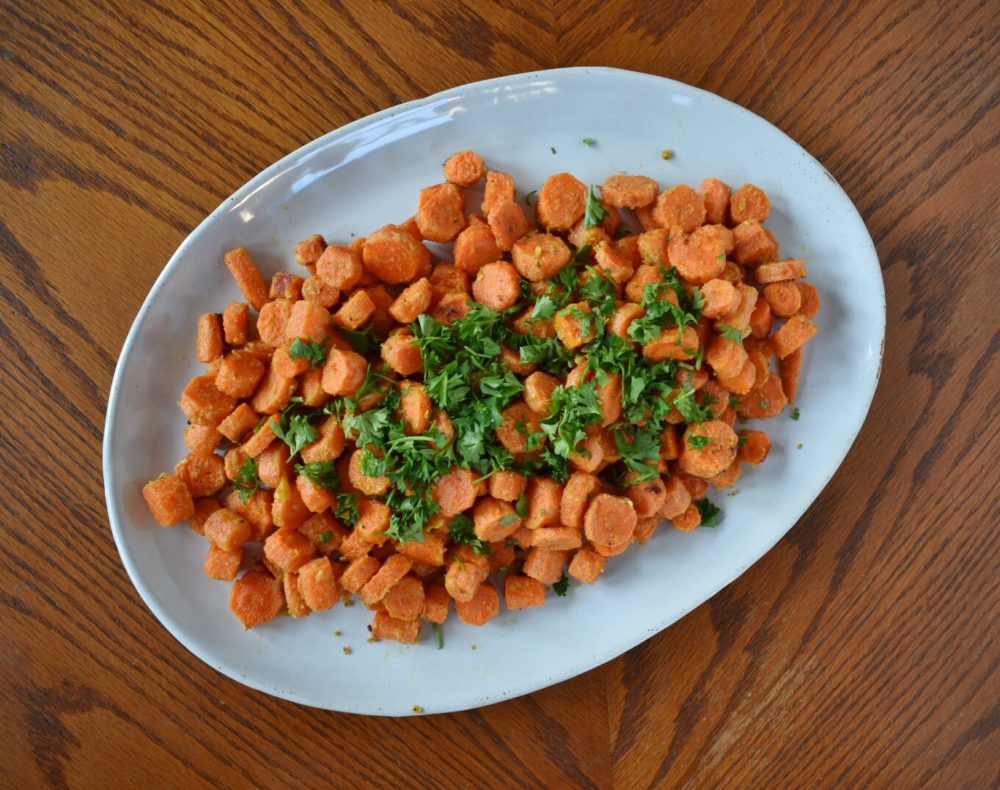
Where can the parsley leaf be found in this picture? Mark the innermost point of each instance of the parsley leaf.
(582, 254)
(688, 407)
(325, 537)
(322, 473)
(589, 141)
(314, 352)
(640, 450)
(795, 413)
(561, 586)
(697, 442)
(521, 506)
(710, 514)
(732, 333)
(295, 430)
(364, 340)
(438, 635)
(462, 530)
(347, 509)
(595, 212)
(246, 482)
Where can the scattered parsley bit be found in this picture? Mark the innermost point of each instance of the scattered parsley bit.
(553, 150)
(521, 507)
(763, 403)
(560, 587)
(325, 537)
(530, 195)
(364, 341)
(295, 430)
(710, 514)
(418, 708)
(246, 482)
(438, 635)
(510, 518)
(321, 473)
(795, 413)
(462, 530)
(798, 446)
(338, 633)
(582, 254)
(474, 647)
(347, 650)
(666, 153)
(348, 603)
(690, 409)
(589, 141)
(742, 440)
(595, 212)
(312, 351)
(732, 333)
(697, 442)
(347, 509)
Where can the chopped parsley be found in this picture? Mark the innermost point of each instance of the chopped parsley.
(795, 413)
(553, 150)
(462, 530)
(589, 141)
(562, 586)
(595, 213)
(295, 429)
(438, 635)
(532, 194)
(662, 312)
(346, 509)
(582, 254)
(666, 153)
(325, 537)
(246, 482)
(364, 341)
(710, 513)
(732, 333)
(698, 442)
(310, 350)
(321, 473)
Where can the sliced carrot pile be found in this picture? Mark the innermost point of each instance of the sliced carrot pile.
(421, 433)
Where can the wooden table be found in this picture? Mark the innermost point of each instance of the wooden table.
(862, 651)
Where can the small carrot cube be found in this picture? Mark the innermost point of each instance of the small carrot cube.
(587, 565)
(227, 530)
(169, 500)
(523, 592)
(355, 312)
(210, 343)
(257, 598)
(221, 564)
(235, 323)
(288, 549)
(386, 627)
(285, 285)
(318, 584)
(358, 573)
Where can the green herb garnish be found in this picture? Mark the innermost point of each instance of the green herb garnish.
(561, 586)
(595, 213)
(247, 482)
(710, 514)
(310, 350)
(462, 530)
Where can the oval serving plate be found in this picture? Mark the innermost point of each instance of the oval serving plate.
(368, 173)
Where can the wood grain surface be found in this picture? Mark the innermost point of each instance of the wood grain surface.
(862, 651)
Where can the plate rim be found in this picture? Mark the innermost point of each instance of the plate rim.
(162, 614)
